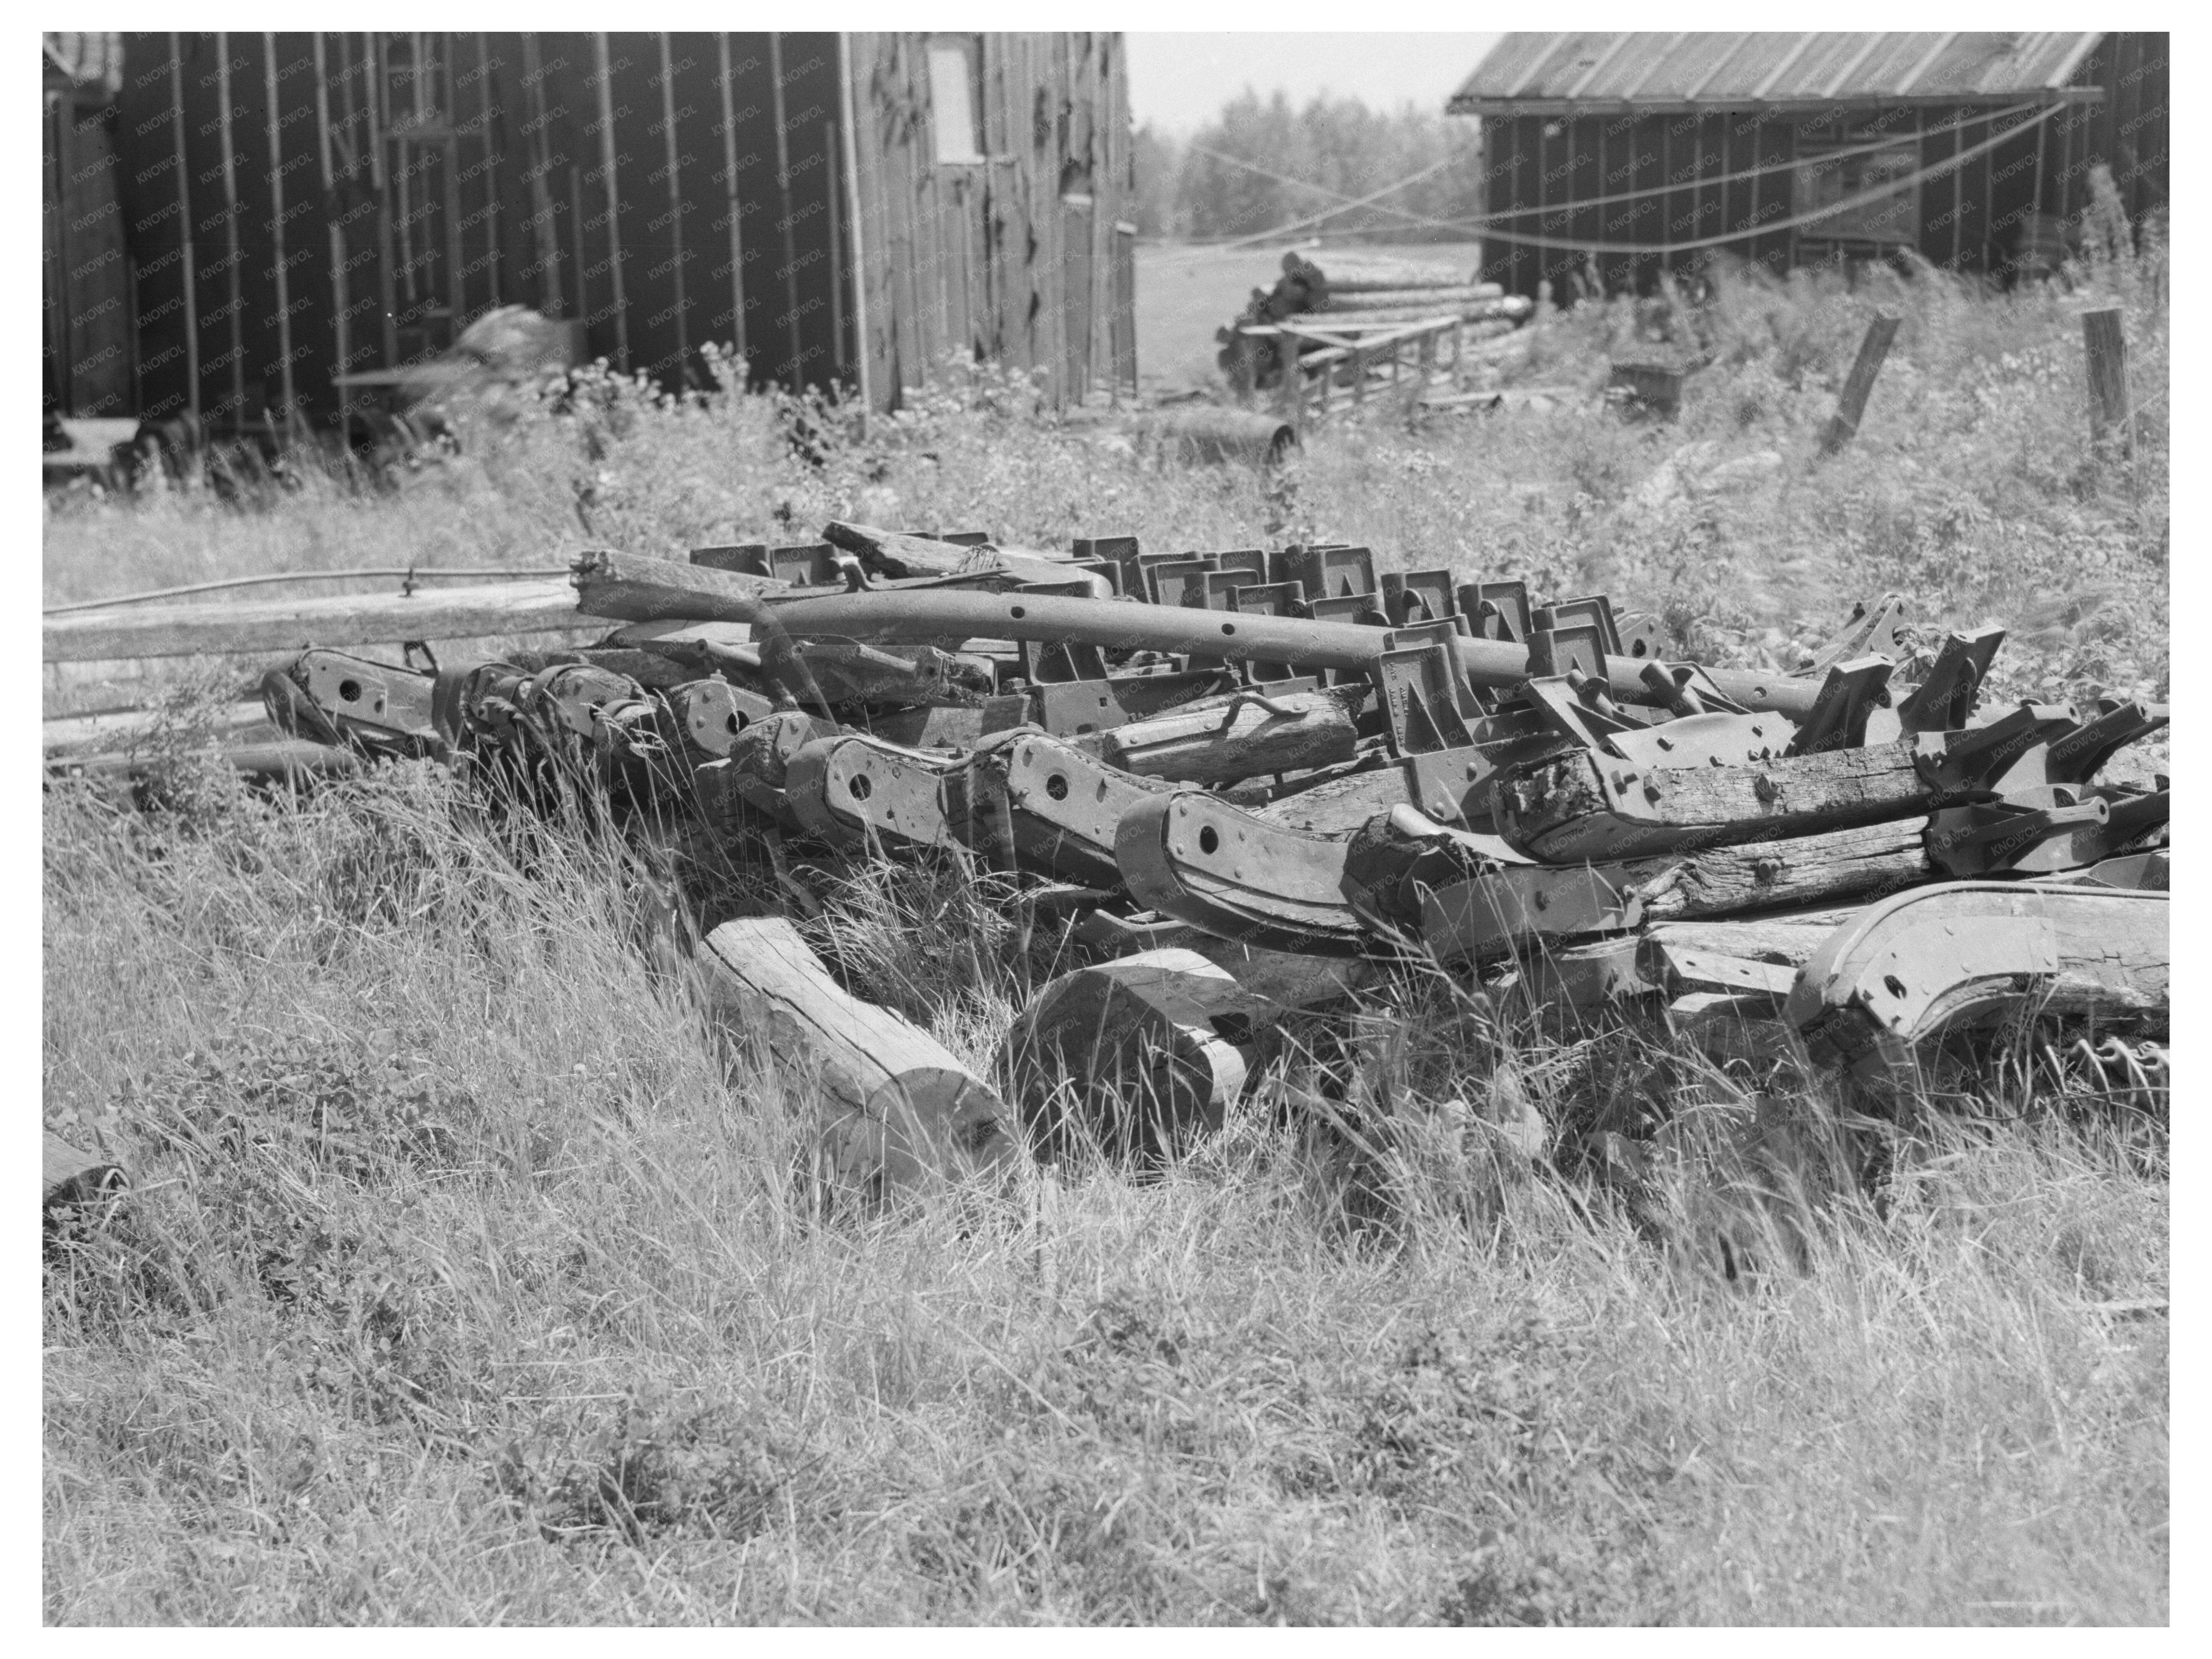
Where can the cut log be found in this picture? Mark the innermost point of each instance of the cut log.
(70, 1176)
(1472, 299)
(1248, 735)
(1212, 435)
(272, 627)
(636, 587)
(1123, 1058)
(898, 1110)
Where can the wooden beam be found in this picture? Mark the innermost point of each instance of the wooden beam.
(1850, 404)
(675, 208)
(230, 228)
(375, 64)
(184, 211)
(276, 232)
(899, 1108)
(783, 198)
(857, 239)
(260, 626)
(607, 154)
(491, 169)
(538, 157)
(342, 325)
(730, 186)
(2106, 348)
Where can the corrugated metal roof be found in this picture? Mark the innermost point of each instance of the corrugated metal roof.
(1546, 74)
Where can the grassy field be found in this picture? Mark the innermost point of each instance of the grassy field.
(466, 1281)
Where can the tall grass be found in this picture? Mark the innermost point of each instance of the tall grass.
(465, 1281)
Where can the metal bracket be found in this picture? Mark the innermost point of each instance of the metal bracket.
(1180, 581)
(1591, 610)
(806, 564)
(1838, 719)
(1952, 762)
(1418, 596)
(1496, 611)
(2077, 756)
(1489, 915)
(713, 711)
(2037, 831)
(1565, 714)
(1327, 573)
(1872, 628)
(1700, 740)
(1689, 689)
(1418, 689)
(1944, 701)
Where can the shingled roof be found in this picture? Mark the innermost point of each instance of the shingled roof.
(1585, 74)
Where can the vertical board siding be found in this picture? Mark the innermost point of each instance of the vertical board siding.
(286, 216)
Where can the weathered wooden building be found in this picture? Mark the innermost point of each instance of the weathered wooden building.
(1631, 153)
(288, 207)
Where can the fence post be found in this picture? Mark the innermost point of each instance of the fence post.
(2107, 352)
(1873, 350)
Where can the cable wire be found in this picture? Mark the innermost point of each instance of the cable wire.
(409, 574)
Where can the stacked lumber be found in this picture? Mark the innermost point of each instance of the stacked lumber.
(1259, 779)
(1359, 296)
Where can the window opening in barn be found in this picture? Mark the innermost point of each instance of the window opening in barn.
(1836, 169)
(955, 97)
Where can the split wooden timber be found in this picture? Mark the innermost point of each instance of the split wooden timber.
(1896, 977)
(265, 626)
(901, 1110)
(1249, 734)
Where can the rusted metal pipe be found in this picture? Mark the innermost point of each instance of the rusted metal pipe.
(1238, 636)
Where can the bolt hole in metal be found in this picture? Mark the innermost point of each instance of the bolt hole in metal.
(350, 691)
(1018, 612)
(1055, 785)
(1229, 627)
(735, 721)
(1893, 985)
(1209, 840)
(861, 786)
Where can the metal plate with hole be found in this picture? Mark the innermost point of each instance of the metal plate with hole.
(1065, 806)
(384, 699)
(1420, 691)
(1491, 914)
(1328, 573)
(714, 712)
(1238, 877)
(1703, 740)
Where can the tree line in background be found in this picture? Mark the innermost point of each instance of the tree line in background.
(1302, 161)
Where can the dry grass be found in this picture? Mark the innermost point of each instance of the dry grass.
(464, 1282)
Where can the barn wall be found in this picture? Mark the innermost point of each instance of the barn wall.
(1014, 257)
(1972, 219)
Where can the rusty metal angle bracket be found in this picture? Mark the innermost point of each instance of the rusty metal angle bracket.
(1238, 877)
(1492, 914)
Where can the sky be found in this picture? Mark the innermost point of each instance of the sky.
(1180, 81)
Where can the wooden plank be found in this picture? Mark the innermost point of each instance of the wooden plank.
(277, 233)
(783, 200)
(260, 626)
(237, 404)
(1850, 404)
(676, 210)
(637, 587)
(1227, 739)
(2106, 348)
(116, 729)
(730, 188)
(1572, 810)
(607, 156)
(184, 212)
(898, 1110)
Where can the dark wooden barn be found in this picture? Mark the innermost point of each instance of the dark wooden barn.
(844, 210)
(1610, 157)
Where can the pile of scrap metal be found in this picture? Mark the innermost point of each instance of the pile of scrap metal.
(1253, 781)
(1363, 297)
